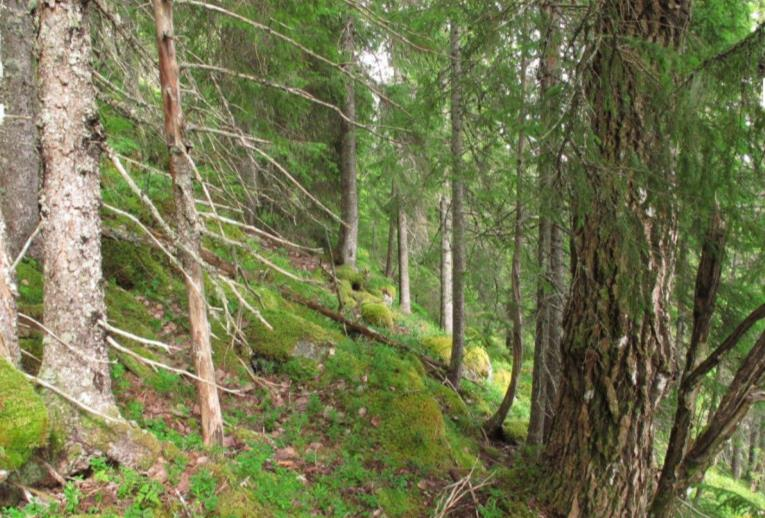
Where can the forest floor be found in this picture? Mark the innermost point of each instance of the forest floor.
(326, 423)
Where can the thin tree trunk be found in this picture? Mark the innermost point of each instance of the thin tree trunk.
(446, 266)
(458, 217)
(405, 302)
(493, 426)
(617, 351)
(349, 230)
(9, 343)
(549, 248)
(19, 154)
(75, 358)
(392, 232)
(181, 170)
(754, 444)
(735, 456)
(705, 294)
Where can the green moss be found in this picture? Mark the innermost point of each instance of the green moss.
(352, 275)
(517, 430)
(377, 314)
(440, 346)
(413, 430)
(288, 329)
(399, 502)
(23, 418)
(239, 502)
(477, 362)
(30, 282)
(131, 266)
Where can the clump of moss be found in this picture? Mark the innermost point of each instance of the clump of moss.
(441, 346)
(413, 430)
(352, 275)
(516, 430)
(239, 502)
(23, 418)
(132, 266)
(288, 329)
(501, 379)
(377, 314)
(477, 364)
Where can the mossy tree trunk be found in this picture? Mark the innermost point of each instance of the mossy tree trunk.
(19, 154)
(617, 351)
(187, 219)
(458, 216)
(349, 229)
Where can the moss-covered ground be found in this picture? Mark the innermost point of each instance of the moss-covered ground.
(330, 424)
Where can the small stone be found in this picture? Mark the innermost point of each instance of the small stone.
(362, 412)
(202, 460)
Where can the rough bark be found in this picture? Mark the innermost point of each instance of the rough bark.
(458, 216)
(19, 154)
(9, 342)
(75, 358)
(181, 170)
(446, 265)
(514, 340)
(617, 352)
(349, 204)
(405, 301)
(735, 457)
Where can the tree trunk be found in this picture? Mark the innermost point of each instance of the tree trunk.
(549, 247)
(349, 230)
(705, 295)
(754, 444)
(446, 266)
(181, 170)
(405, 302)
(392, 231)
(9, 342)
(75, 358)
(19, 154)
(493, 426)
(617, 352)
(735, 456)
(458, 217)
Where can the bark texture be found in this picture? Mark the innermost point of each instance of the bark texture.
(75, 358)
(617, 352)
(446, 265)
(458, 216)
(181, 170)
(19, 155)
(349, 230)
(9, 342)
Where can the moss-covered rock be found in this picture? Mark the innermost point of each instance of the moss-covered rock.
(413, 430)
(23, 418)
(289, 330)
(477, 364)
(440, 346)
(352, 275)
(377, 314)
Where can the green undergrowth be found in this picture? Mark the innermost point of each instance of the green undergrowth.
(374, 430)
